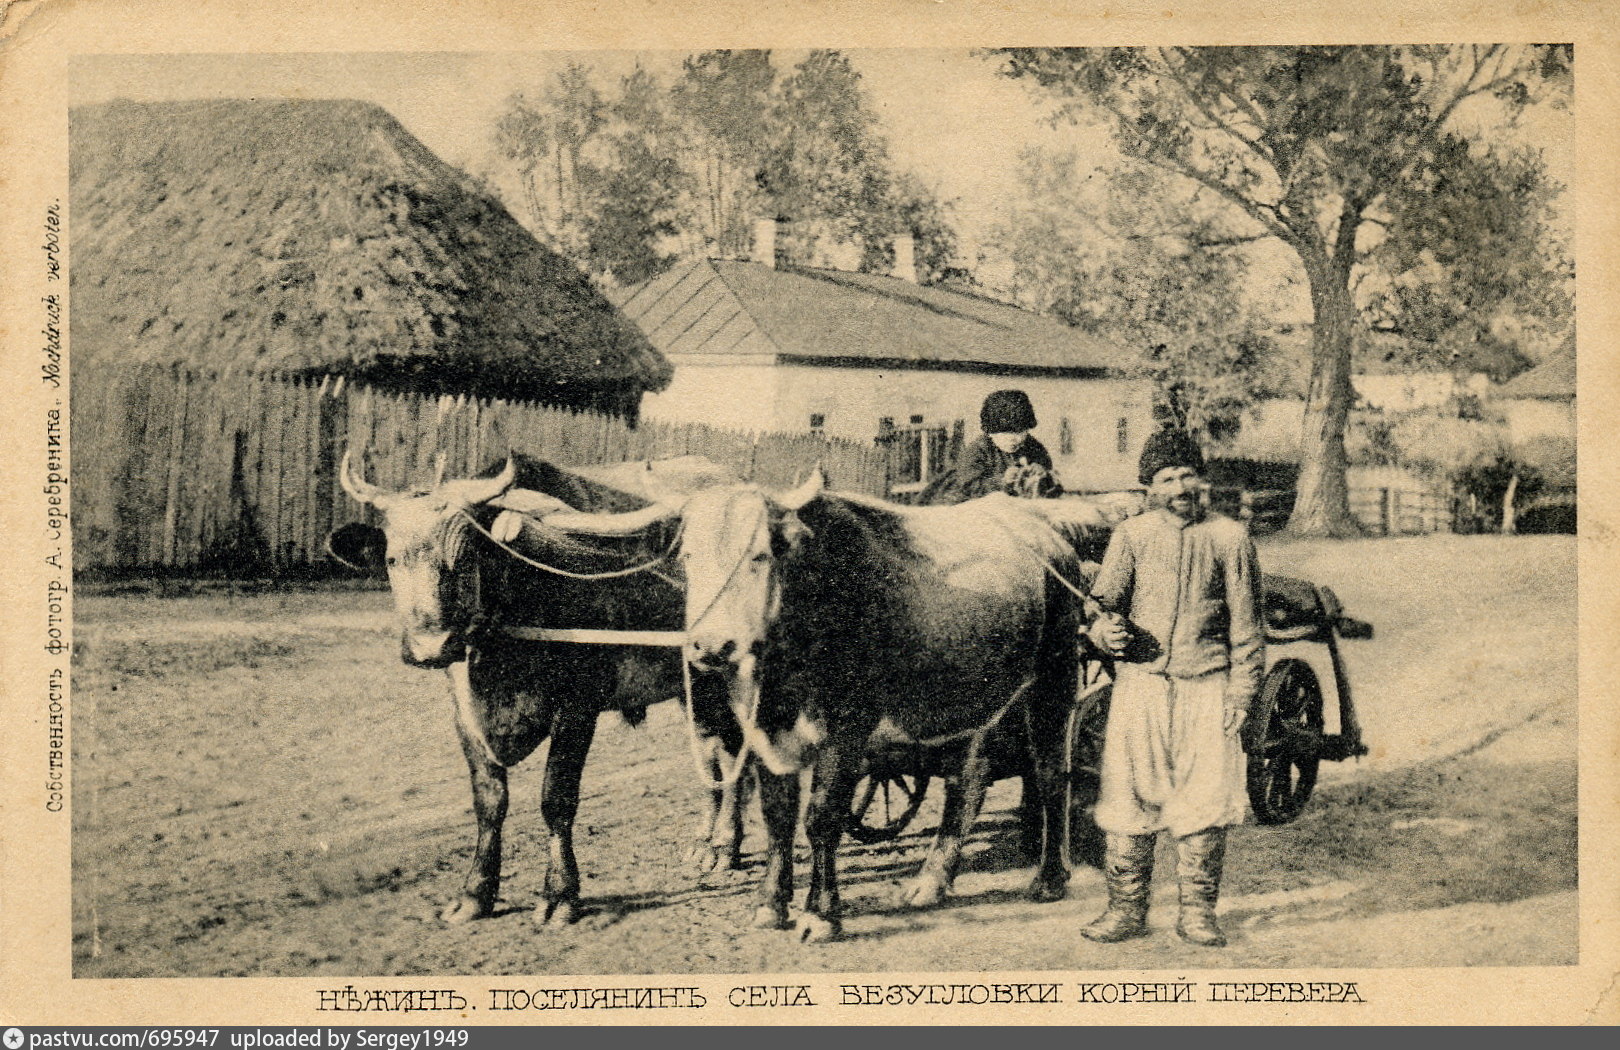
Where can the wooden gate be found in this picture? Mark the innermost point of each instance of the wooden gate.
(918, 454)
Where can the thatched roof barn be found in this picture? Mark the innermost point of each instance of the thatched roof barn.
(319, 237)
(1552, 380)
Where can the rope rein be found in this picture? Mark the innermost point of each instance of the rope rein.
(727, 778)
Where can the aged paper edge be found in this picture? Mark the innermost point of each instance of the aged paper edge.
(37, 41)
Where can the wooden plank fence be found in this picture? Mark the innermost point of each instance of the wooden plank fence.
(238, 474)
(1391, 501)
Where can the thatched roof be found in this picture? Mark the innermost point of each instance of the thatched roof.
(1552, 380)
(321, 237)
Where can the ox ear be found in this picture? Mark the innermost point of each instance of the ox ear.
(475, 491)
(528, 501)
(622, 523)
(800, 496)
(789, 534)
(357, 545)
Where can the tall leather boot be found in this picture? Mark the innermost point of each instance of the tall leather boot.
(1199, 859)
(1128, 869)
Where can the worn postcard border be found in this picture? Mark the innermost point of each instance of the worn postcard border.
(38, 41)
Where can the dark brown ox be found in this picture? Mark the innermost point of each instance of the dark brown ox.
(465, 603)
(843, 622)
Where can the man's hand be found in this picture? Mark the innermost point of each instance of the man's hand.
(1234, 718)
(1109, 633)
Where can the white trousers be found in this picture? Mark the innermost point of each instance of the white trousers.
(1168, 764)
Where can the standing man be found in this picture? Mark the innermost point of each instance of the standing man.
(1180, 593)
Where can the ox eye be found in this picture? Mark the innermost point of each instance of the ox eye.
(762, 557)
(391, 561)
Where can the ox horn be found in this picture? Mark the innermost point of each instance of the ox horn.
(475, 491)
(358, 487)
(807, 490)
(624, 523)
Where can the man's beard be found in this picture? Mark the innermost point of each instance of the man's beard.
(1187, 506)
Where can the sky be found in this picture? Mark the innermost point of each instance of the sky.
(948, 117)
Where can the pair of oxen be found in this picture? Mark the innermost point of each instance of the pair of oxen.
(809, 626)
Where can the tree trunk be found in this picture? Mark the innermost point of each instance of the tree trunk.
(1510, 517)
(1322, 500)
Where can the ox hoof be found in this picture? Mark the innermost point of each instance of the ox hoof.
(705, 857)
(466, 910)
(769, 918)
(560, 913)
(813, 929)
(1049, 888)
(923, 892)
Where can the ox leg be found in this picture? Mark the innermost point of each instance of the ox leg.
(571, 738)
(726, 843)
(1046, 722)
(838, 767)
(964, 797)
(779, 804)
(483, 883)
(720, 832)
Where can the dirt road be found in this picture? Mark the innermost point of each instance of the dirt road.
(261, 787)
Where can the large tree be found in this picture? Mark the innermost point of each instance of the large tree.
(1331, 151)
(828, 167)
(545, 138)
(636, 187)
(723, 103)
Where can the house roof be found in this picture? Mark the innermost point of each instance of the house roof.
(732, 308)
(321, 237)
(1552, 380)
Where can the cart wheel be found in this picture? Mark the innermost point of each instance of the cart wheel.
(884, 804)
(1082, 768)
(1284, 752)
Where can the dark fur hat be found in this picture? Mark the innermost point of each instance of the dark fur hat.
(1168, 448)
(1007, 412)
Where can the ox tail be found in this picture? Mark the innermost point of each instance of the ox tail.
(781, 752)
(778, 761)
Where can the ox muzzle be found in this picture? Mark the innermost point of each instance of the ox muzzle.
(433, 650)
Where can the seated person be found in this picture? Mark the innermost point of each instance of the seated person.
(1005, 458)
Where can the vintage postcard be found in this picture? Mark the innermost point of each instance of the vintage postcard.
(836, 513)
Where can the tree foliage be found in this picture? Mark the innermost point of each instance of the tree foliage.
(1335, 152)
(1147, 264)
(624, 182)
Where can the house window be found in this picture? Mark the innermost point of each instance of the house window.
(818, 422)
(1122, 436)
(1065, 438)
(916, 421)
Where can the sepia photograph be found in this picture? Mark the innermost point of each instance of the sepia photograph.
(795, 529)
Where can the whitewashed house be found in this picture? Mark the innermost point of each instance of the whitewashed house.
(766, 347)
(1540, 403)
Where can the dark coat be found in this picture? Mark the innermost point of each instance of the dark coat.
(983, 468)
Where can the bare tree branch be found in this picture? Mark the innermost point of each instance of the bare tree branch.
(1153, 153)
(1255, 145)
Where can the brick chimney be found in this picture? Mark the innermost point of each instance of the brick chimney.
(765, 242)
(905, 258)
